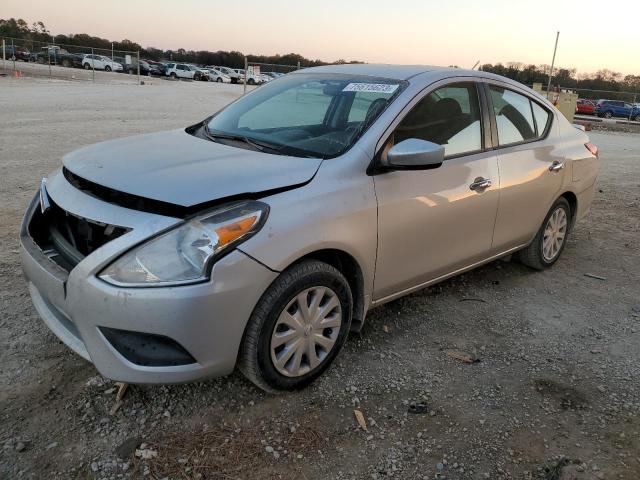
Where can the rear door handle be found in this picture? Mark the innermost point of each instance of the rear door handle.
(479, 184)
(556, 166)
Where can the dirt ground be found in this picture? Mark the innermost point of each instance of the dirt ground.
(555, 393)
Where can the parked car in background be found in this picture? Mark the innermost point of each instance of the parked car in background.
(14, 52)
(161, 68)
(585, 107)
(55, 55)
(251, 79)
(272, 75)
(617, 108)
(261, 236)
(101, 62)
(229, 72)
(179, 70)
(218, 76)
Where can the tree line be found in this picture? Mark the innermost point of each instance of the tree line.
(38, 32)
(603, 79)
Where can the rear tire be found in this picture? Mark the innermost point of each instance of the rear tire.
(66, 63)
(637, 118)
(219, 80)
(536, 255)
(258, 355)
(608, 114)
(87, 66)
(173, 75)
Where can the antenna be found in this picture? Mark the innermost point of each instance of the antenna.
(475, 65)
(553, 62)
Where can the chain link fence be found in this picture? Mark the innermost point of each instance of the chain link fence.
(69, 62)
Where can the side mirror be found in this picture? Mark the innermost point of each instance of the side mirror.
(415, 154)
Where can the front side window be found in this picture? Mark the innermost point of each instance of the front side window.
(319, 115)
(448, 116)
(514, 117)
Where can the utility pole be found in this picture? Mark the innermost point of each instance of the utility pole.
(553, 62)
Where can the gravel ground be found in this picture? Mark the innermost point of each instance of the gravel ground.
(555, 393)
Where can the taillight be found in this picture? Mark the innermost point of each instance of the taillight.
(592, 148)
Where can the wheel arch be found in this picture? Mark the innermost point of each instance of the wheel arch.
(352, 271)
(573, 204)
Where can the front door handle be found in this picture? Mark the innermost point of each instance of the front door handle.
(480, 184)
(556, 166)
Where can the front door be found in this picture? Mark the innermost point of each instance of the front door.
(434, 222)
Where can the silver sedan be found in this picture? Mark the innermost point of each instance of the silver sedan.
(261, 236)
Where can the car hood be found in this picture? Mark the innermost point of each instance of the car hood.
(178, 168)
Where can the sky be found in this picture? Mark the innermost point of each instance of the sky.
(444, 32)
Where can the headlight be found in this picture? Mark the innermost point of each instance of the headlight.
(185, 253)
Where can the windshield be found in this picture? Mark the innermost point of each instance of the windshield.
(319, 115)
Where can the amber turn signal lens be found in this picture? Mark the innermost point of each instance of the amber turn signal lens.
(232, 231)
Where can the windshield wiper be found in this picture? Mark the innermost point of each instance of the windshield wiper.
(257, 144)
(260, 145)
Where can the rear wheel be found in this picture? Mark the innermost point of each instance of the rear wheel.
(551, 239)
(87, 66)
(66, 63)
(297, 328)
(608, 114)
(637, 118)
(251, 81)
(173, 75)
(219, 80)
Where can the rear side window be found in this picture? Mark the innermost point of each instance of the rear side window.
(448, 116)
(514, 116)
(541, 116)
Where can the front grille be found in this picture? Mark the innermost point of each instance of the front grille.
(66, 238)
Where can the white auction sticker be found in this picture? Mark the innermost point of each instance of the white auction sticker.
(371, 87)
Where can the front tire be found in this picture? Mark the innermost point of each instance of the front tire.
(297, 328)
(608, 114)
(219, 80)
(107, 68)
(548, 244)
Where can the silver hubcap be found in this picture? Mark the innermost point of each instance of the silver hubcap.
(306, 331)
(554, 234)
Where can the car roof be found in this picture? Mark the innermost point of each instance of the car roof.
(396, 72)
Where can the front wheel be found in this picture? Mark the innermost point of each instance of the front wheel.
(107, 68)
(551, 239)
(297, 328)
(637, 118)
(608, 114)
(219, 80)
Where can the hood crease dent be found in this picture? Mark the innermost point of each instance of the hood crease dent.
(177, 174)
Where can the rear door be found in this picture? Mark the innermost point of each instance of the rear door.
(434, 222)
(531, 163)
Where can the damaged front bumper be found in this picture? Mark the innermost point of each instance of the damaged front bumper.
(138, 335)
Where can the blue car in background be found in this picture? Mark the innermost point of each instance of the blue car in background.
(617, 108)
